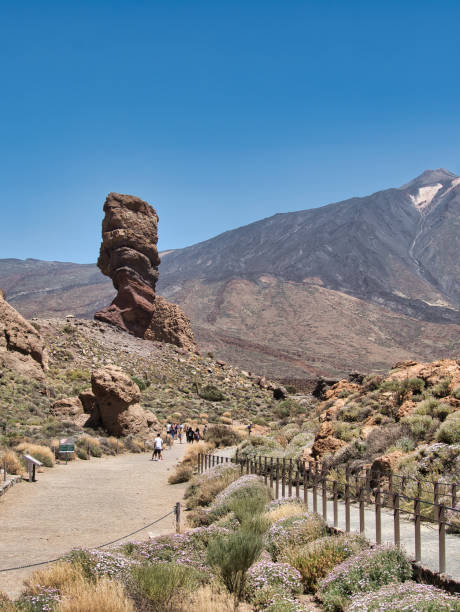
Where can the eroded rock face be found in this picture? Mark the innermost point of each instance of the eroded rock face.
(129, 256)
(21, 345)
(114, 403)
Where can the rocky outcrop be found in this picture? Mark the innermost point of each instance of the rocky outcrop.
(21, 345)
(129, 256)
(325, 441)
(70, 409)
(114, 403)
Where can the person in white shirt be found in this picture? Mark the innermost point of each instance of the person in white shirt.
(157, 448)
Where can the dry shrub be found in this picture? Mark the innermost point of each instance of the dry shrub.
(282, 440)
(227, 414)
(42, 453)
(193, 450)
(13, 463)
(225, 420)
(115, 444)
(203, 415)
(60, 576)
(183, 473)
(91, 444)
(104, 595)
(6, 605)
(285, 511)
(210, 598)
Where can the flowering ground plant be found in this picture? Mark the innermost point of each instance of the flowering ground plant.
(97, 563)
(187, 548)
(269, 574)
(294, 531)
(408, 596)
(44, 600)
(367, 571)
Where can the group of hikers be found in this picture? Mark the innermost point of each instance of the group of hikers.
(176, 430)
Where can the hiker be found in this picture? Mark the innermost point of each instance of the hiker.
(172, 432)
(196, 435)
(249, 429)
(205, 431)
(190, 435)
(157, 448)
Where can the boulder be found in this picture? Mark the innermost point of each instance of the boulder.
(67, 407)
(387, 463)
(129, 256)
(325, 442)
(21, 345)
(115, 406)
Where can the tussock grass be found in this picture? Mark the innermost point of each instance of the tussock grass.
(211, 598)
(91, 444)
(103, 595)
(60, 576)
(42, 453)
(193, 450)
(182, 473)
(13, 463)
(285, 511)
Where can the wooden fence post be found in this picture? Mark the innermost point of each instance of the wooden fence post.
(336, 504)
(324, 494)
(265, 471)
(4, 470)
(397, 539)
(362, 527)
(453, 495)
(290, 478)
(277, 486)
(442, 538)
(283, 479)
(436, 500)
(236, 456)
(315, 491)
(347, 500)
(418, 543)
(390, 489)
(177, 513)
(247, 465)
(271, 473)
(297, 478)
(378, 516)
(305, 486)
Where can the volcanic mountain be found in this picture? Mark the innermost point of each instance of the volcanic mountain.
(357, 284)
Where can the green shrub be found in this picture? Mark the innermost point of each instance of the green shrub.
(211, 393)
(354, 412)
(315, 560)
(442, 389)
(232, 556)
(449, 432)
(204, 488)
(405, 444)
(90, 444)
(416, 384)
(367, 571)
(140, 383)
(81, 453)
(294, 531)
(434, 408)
(291, 389)
(344, 431)
(222, 435)
(456, 393)
(420, 426)
(162, 586)
(287, 408)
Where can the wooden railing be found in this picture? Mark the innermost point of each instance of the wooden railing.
(405, 496)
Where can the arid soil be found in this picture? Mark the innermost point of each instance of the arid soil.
(84, 503)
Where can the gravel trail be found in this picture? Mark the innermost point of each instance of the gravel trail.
(84, 503)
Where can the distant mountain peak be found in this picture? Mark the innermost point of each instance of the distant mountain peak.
(430, 177)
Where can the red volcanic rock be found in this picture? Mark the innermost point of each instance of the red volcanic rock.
(21, 345)
(129, 256)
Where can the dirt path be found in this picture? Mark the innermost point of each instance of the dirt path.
(86, 503)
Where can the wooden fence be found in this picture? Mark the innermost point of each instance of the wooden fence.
(405, 496)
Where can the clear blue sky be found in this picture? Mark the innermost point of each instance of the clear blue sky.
(218, 113)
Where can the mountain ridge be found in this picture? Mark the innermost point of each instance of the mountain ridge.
(378, 272)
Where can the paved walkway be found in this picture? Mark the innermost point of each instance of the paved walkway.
(84, 503)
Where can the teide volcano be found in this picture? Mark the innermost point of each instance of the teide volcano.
(357, 284)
